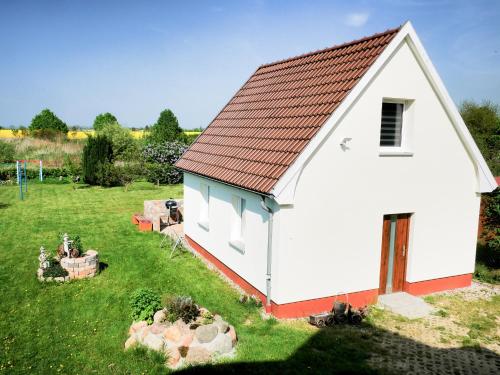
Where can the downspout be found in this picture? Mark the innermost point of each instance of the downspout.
(269, 210)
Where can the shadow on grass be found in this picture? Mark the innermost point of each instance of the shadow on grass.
(4, 205)
(102, 266)
(365, 350)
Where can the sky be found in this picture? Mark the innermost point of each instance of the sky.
(136, 58)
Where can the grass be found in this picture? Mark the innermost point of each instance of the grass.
(54, 153)
(80, 327)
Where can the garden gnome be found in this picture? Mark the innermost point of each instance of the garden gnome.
(44, 263)
(66, 243)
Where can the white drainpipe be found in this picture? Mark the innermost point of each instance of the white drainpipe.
(269, 210)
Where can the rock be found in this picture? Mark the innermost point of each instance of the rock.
(136, 326)
(206, 333)
(197, 354)
(157, 328)
(173, 357)
(222, 325)
(172, 333)
(232, 333)
(222, 344)
(187, 339)
(159, 316)
(154, 342)
(131, 341)
(142, 333)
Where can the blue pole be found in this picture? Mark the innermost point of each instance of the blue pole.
(25, 178)
(41, 171)
(19, 171)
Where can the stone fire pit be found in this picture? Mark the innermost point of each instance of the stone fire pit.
(184, 344)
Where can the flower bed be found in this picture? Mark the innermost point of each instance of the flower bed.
(185, 333)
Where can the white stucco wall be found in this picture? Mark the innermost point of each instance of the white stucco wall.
(250, 265)
(330, 241)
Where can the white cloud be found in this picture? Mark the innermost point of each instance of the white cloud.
(357, 19)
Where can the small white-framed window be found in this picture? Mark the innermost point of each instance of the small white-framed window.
(203, 220)
(238, 223)
(395, 127)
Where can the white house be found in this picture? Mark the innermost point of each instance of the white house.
(342, 173)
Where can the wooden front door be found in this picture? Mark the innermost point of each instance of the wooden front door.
(394, 253)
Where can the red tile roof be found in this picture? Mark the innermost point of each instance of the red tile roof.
(271, 119)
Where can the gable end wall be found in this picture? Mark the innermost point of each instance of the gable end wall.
(330, 239)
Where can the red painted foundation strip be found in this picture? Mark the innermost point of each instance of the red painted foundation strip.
(438, 285)
(287, 310)
(242, 283)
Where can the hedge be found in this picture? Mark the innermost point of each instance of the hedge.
(9, 173)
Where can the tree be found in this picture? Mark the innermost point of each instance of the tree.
(96, 159)
(125, 146)
(483, 121)
(47, 122)
(166, 129)
(103, 119)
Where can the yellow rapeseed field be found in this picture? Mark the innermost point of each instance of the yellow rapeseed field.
(8, 133)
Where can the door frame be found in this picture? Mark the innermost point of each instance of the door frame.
(400, 251)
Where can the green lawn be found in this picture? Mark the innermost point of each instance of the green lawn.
(80, 327)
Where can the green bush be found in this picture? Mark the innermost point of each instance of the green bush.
(160, 158)
(125, 147)
(182, 307)
(144, 302)
(46, 121)
(7, 151)
(54, 270)
(107, 175)
(9, 173)
(103, 119)
(97, 153)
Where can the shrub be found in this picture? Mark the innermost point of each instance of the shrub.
(97, 151)
(103, 119)
(125, 147)
(166, 129)
(159, 160)
(7, 151)
(144, 303)
(46, 120)
(182, 307)
(107, 175)
(54, 270)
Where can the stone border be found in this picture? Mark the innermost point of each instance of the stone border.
(78, 268)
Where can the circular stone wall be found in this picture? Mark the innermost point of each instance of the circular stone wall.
(81, 267)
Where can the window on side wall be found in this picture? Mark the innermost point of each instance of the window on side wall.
(395, 126)
(238, 224)
(203, 220)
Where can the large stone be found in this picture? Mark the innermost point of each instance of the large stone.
(131, 341)
(173, 333)
(206, 333)
(142, 333)
(222, 344)
(173, 357)
(232, 333)
(159, 316)
(154, 342)
(136, 326)
(197, 354)
(157, 328)
(222, 325)
(186, 339)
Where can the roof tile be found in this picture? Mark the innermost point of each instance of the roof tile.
(273, 116)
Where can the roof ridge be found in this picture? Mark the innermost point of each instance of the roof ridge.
(338, 46)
